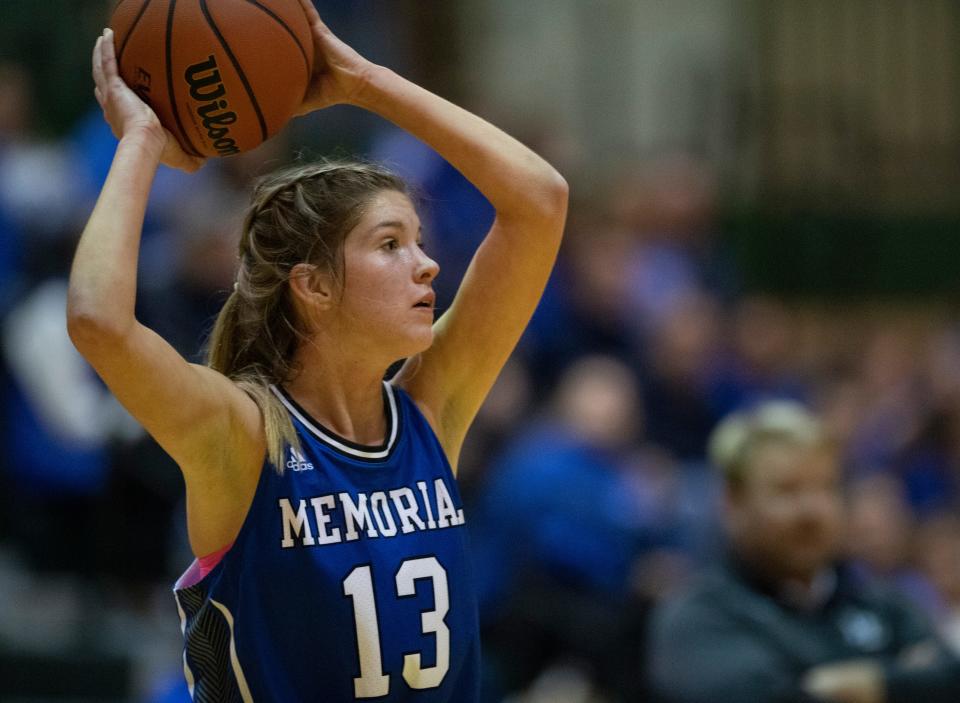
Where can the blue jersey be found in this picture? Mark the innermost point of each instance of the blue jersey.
(349, 579)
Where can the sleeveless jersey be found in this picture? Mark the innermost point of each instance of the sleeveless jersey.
(349, 579)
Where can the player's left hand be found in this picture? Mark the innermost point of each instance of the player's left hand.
(339, 72)
(855, 681)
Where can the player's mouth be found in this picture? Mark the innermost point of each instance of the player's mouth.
(427, 301)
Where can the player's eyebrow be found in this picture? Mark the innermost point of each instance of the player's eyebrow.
(388, 223)
(393, 224)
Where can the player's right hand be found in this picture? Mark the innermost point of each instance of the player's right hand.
(127, 114)
(339, 72)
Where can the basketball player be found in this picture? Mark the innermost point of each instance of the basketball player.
(321, 501)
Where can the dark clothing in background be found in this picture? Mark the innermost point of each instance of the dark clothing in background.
(731, 640)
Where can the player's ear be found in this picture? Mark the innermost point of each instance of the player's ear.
(311, 286)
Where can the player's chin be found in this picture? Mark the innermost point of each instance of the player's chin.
(417, 339)
(424, 340)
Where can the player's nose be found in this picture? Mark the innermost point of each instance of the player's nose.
(427, 268)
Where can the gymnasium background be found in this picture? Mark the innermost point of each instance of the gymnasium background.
(764, 205)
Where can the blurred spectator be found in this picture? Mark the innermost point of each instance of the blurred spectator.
(584, 309)
(503, 415)
(558, 528)
(38, 188)
(782, 619)
(880, 528)
(893, 401)
(927, 461)
(938, 554)
(59, 420)
(668, 203)
(762, 360)
(682, 366)
(199, 258)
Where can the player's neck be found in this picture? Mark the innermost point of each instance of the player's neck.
(342, 393)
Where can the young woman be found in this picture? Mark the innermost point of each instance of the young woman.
(321, 501)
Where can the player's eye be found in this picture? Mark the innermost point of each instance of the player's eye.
(391, 244)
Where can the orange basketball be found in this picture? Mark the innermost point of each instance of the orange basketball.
(222, 75)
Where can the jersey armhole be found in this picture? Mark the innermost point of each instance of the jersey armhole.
(201, 566)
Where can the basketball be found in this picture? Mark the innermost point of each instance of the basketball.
(222, 75)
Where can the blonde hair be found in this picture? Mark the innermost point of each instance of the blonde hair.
(732, 443)
(297, 215)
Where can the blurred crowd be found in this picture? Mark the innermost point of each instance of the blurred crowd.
(588, 491)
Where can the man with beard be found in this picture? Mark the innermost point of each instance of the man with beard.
(781, 620)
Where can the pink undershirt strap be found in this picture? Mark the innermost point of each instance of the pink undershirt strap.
(200, 567)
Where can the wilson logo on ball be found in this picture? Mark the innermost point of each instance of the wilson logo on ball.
(206, 87)
(210, 109)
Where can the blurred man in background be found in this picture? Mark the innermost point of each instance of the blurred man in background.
(782, 619)
(559, 528)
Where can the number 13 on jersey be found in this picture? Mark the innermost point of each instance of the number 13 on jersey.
(358, 586)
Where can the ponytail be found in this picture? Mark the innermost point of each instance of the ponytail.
(232, 351)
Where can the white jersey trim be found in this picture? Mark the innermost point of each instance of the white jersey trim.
(187, 674)
(336, 443)
(234, 660)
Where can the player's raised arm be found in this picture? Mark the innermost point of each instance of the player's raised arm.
(185, 407)
(506, 278)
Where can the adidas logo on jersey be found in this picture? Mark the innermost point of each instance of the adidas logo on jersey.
(298, 462)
